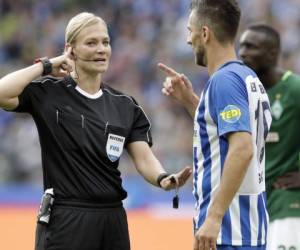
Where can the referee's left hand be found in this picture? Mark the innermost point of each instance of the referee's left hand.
(180, 179)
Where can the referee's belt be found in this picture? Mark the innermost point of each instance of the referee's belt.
(86, 203)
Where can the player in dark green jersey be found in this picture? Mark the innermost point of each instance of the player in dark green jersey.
(260, 49)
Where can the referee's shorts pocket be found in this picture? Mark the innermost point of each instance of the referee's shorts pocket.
(40, 237)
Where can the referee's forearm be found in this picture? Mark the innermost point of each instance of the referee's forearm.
(150, 169)
(13, 84)
(145, 161)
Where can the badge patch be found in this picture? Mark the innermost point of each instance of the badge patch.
(114, 146)
(277, 109)
(231, 114)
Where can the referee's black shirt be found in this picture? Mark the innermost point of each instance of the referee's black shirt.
(82, 136)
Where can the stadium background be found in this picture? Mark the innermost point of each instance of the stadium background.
(32, 28)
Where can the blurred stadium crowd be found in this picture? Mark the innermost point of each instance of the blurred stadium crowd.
(143, 33)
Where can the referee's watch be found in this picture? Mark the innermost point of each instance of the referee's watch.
(160, 178)
(47, 65)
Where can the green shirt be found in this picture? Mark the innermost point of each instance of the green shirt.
(283, 145)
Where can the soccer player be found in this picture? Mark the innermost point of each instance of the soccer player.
(231, 122)
(260, 49)
(83, 126)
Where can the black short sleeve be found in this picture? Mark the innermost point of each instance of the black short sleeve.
(31, 96)
(141, 126)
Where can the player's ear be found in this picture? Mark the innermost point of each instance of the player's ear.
(205, 33)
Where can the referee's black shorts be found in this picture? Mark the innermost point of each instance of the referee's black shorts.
(84, 226)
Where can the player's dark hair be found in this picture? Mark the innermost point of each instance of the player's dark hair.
(222, 16)
(270, 32)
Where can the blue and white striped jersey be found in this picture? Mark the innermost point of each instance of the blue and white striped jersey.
(233, 100)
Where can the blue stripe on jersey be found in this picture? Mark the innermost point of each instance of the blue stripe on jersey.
(226, 222)
(226, 228)
(223, 151)
(244, 202)
(196, 175)
(260, 210)
(205, 148)
(228, 247)
(264, 195)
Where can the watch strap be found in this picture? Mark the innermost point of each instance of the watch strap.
(161, 177)
(47, 65)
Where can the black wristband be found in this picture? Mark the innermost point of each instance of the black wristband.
(47, 65)
(161, 177)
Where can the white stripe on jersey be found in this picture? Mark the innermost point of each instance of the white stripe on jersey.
(215, 169)
(235, 224)
(213, 138)
(198, 174)
(254, 219)
(264, 230)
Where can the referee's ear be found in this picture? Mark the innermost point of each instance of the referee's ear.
(70, 54)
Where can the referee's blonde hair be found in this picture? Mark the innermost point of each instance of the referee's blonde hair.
(78, 23)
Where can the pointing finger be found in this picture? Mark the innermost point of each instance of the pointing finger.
(167, 70)
(185, 80)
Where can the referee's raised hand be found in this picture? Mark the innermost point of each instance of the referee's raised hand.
(180, 179)
(179, 87)
(62, 65)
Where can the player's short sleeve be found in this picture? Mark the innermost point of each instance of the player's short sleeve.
(231, 103)
(141, 126)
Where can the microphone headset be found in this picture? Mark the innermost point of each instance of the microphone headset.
(82, 59)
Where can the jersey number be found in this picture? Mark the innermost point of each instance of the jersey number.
(261, 107)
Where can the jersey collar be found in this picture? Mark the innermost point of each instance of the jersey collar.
(88, 95)
(229, 62)
(70, 82)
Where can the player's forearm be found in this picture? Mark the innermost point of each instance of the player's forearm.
(235, 168)
(13, 84)
(191, 104)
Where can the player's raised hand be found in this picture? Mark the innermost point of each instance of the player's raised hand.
(180, 179)
(176, 85)
(180, 88)
(62, 65)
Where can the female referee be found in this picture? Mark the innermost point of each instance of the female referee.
(83, 126)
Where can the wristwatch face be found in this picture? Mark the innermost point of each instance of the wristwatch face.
(47, 65)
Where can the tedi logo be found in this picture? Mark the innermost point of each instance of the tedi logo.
(231, 114)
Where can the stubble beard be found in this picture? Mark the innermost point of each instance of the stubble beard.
(200, 58)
